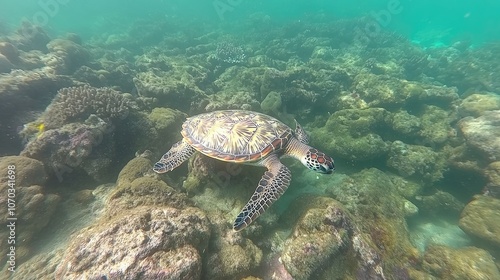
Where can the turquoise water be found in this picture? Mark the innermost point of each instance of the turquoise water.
(403, 95)
(445, 21)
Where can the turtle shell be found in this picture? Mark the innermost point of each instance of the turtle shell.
(236, 135)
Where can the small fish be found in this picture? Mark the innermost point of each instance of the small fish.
(41, 130)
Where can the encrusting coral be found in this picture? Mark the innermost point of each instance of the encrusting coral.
(34, 206)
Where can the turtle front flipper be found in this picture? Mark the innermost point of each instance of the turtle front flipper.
(272, 185)
(179, 153)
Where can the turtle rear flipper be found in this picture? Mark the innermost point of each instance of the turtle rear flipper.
(272, 185)
(178, 154)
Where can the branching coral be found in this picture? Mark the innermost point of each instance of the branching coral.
(77, 103)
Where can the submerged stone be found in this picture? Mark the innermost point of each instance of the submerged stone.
(481, 219)
(483, 134)
(467, 263)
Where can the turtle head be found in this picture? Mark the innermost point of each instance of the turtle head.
(318, 161)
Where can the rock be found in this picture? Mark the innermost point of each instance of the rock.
(271, 103)
(385, 90)
(480, 219)
(5, 64)
(478, 103)
(410, 209)
(413, 161)
(483, 134)
(321, 235)
(86, 147)
(173, 80)
(28, 171)
(150, 190)
(9, 51)
(492, 174)
(135, 168)
(201, 169)
(232, 257)
(439, 204)
(148, 230)
(146, 242)
(167, 123)
(405, 123)
(469, 263)
(380, 219)
(352, 134)
(41, 265)
(436, 128)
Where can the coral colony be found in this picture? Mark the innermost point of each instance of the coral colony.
(229, 53)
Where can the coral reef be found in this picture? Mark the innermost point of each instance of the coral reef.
(29, 37)
(387, 103)
(9, 51)
(174, 81)
(23, 94)
(33, 205)
(5, 64)
(65, 56)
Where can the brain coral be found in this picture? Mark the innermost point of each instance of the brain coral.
(78, 103)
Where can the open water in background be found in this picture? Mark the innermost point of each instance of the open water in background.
(429, 22)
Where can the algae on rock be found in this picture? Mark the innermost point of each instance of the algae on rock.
(418, 162)
(352, 134)
(480, 219)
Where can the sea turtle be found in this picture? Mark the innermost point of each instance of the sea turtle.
(247, 137)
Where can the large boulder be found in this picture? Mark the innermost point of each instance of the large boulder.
(483, 134)
(466, 263)
(478, 103)
(320, 238)
(148, 231)
(481, 219)
(492, 174)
